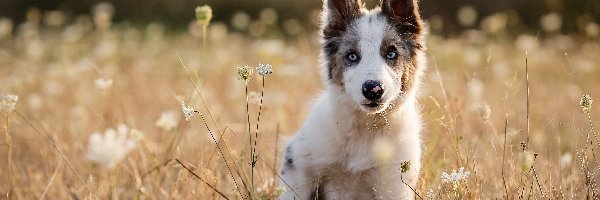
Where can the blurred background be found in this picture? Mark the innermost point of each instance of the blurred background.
(80, 67)
(448, 17)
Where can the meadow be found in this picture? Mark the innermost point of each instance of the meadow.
(99, 109)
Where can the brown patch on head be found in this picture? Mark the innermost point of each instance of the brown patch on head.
(406, 35)
(408, 77)
(406, 48)
(336, 59)
(340, 16)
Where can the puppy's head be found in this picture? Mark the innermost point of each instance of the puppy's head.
(373, 57)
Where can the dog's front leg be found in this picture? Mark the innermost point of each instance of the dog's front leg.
(294, 177)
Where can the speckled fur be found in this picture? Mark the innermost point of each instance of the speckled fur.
(332, 155)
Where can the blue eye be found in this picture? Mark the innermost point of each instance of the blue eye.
(391, 54)
(352, 57)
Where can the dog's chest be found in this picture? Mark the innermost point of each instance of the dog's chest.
(358, 151)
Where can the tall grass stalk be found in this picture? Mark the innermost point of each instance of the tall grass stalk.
(275, 160)
(528, 105)
(9, 162)
(203, 17)
(202, 180)
(62, 155)
(588, 113)
(586, 106)
(447, 118)
(252, 160)
(411, 188)
(262, 93)
(504, 157)
(51, 181)
(206, 124)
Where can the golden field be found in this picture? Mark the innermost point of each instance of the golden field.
(99, 112)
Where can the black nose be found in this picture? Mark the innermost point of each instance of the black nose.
(372, 90)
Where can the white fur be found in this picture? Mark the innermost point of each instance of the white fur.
(335, 146)
(372, 66)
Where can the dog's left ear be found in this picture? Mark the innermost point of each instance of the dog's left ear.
(404, 14)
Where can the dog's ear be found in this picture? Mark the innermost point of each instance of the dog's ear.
(338, 13)
(404, 14)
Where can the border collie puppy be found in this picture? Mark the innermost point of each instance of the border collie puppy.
(366, 122)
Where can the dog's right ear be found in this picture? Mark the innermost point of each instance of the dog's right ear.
(338, 13)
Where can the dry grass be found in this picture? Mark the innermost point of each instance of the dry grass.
(53, 71)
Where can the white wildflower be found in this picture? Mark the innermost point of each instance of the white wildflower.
(188, 111)
(110, 148)
(103, 83)
(264, 69)
(430, 194)
(8, 102)
(167, 121)
(455, 176)
(244, 72)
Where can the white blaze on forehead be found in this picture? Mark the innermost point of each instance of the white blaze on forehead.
(370, 30)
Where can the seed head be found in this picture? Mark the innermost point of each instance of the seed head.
(405, 166)
(586, 103)
(188, 111)
(203, 15)
(244, 72)
(264, 69)
(8, 102)
(485, 112)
